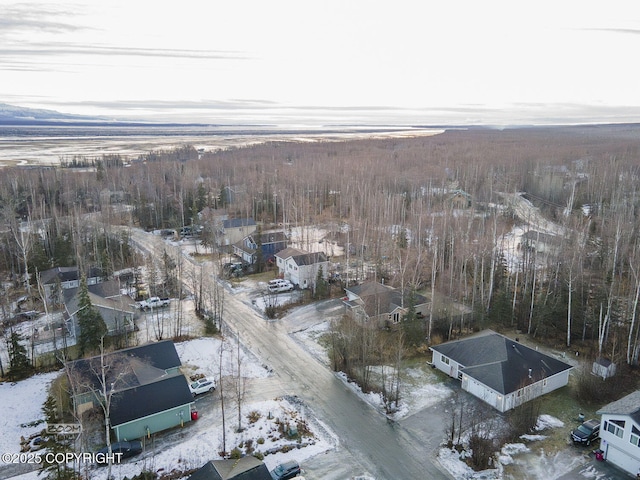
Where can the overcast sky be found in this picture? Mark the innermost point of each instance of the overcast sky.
(326, 62)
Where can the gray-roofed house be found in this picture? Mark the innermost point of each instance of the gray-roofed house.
(500, 371)
(149, 394)
(233, 230)
(380, 304)
(56, 280)
(301, 268)
(620, 432)
(115, 309)
(244, 468)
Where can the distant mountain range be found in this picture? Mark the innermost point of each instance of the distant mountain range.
(11, 114)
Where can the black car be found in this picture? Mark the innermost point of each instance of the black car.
(125, 449)
(586, 433)
(286, 470)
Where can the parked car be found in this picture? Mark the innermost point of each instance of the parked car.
(202, 385)
(278, 286)
(587, 432)
(154, 302)
(286, 470)
(125, 449)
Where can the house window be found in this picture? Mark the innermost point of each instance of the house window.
(635, 436)
(615, 426)
(395, 317)
(444, 359)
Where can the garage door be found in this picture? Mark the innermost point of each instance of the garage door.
(621, 459)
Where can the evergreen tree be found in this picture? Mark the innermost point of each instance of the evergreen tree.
(322, 286)
(90, 322)
(19, 365)
(55, 444)
(412, 325)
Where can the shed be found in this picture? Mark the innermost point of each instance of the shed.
(603, 367)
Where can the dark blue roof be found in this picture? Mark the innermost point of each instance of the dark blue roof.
(238, 222)
(145, 400)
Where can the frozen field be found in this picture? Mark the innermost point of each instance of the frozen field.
(47, 145)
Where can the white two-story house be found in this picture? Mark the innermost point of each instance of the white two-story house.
(301, 268)
(620, 432)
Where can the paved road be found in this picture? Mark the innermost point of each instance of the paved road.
(376, 447)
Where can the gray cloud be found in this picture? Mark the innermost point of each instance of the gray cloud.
(38, 49)
(626, 31)
(26, 17)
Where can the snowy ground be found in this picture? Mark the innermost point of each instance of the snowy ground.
(199, 441)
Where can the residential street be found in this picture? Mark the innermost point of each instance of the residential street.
(374, 446)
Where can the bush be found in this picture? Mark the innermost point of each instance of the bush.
(254, 416)
(235, 453)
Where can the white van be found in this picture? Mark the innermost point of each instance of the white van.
(278, 285)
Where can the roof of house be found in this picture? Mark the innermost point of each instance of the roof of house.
(500, 363)
(112, 309)
(269, 237)
(245, 468)
(628, 405)
(301, 257)
(368, 288)
(65, 274)
(148, 399)
(131, 366)
(108, 289)
(238, 222)
(289, 252)
(378, 299)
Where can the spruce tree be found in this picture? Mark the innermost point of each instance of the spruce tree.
(322, 286)
(90, 322)
(19, 365)
(55, 444)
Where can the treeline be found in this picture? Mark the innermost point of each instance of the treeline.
(396, 204)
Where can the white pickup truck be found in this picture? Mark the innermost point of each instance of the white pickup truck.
(154, 302)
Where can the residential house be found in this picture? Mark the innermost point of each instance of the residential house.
(234, 230)
(149, 393)
(500, 371)
(244, 468)
(57, 279)
(460, 199)
(301, 268)
(380, 304)
(269, 244)
(620, 432)
(116, 310)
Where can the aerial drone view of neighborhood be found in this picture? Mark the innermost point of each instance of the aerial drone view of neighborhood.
(251, 240)
(289, 308)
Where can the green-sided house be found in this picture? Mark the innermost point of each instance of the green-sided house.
(148, 392)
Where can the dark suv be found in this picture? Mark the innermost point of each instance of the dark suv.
(286, 470)
(586, 433)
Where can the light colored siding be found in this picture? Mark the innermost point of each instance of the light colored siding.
(153, 423)
(620, 451)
